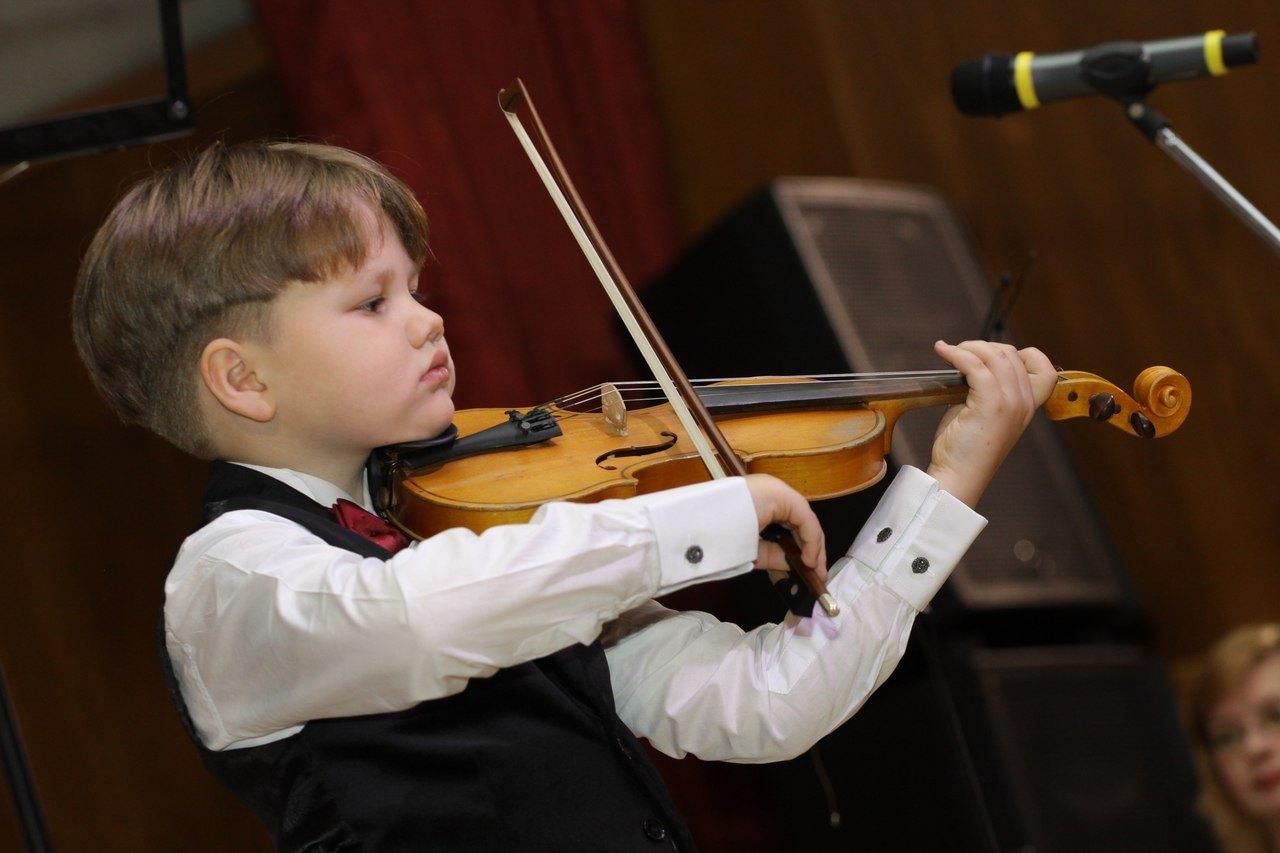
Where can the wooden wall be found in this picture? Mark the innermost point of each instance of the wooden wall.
(1138, 264)
(93, 511)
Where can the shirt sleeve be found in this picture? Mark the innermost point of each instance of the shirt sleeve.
(692, 684)
(269, 627)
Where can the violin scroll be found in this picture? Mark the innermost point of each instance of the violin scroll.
(1160, 403)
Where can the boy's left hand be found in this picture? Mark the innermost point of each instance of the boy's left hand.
(1006, 386)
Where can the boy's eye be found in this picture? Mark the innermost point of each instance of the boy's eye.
(373, 304)
(420, 297)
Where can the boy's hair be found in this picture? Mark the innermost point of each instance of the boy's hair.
(200, 250)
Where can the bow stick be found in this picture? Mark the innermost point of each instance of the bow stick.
(689, 409)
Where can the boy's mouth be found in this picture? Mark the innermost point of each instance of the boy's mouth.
(438, 371)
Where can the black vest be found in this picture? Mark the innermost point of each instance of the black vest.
(532, 758)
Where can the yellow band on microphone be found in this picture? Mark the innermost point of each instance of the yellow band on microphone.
(1213, 52)
(1024, 85)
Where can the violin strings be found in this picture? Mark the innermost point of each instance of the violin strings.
(640, 390)
(880, 376)
(625, 386)
(636, 390)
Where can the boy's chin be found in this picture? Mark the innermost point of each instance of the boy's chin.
(425, 433)
(421, 426)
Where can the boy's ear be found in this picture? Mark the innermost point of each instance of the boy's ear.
(227, 370)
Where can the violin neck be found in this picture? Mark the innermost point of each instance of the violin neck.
(905, 393)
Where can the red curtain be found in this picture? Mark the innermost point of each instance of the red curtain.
(414, 84)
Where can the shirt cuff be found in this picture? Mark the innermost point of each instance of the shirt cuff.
(705, 532)
(916, 536)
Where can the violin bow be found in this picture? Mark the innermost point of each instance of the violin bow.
(688, 407)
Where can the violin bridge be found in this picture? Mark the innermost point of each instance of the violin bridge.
(614, 410)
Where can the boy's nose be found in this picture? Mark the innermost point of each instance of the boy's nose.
(424, 325)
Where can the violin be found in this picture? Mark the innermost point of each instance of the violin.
(824, 436)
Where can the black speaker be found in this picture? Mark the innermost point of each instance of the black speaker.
(831, 275)
(1058, 748)
(996, 732)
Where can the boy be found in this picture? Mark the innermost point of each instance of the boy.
(257, 306)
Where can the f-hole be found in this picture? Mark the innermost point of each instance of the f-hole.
(644, 450)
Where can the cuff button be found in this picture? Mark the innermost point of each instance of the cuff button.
(694, 554)
(884, 534)
(919, 565)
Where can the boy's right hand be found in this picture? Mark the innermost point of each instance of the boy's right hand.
(778, 503)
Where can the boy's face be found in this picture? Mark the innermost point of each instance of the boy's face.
(355, 361)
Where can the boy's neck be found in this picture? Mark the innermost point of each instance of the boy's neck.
(353, 484)
(270, 446)
(348, 478)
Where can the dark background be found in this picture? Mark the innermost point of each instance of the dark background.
(667, 113)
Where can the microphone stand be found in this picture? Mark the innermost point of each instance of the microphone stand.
(18, 775)
(1002, 302)
(1155, 127)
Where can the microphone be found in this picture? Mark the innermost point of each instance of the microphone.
(1000, 83)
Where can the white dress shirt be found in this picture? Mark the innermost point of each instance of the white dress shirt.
(269, 627)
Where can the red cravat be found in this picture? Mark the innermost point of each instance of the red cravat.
(359, 520)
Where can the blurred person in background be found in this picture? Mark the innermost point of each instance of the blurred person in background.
(1235, 708)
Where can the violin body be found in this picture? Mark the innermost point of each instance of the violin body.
(822, 449)
(821, 453)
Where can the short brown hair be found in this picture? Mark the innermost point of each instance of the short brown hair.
(200, 251)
